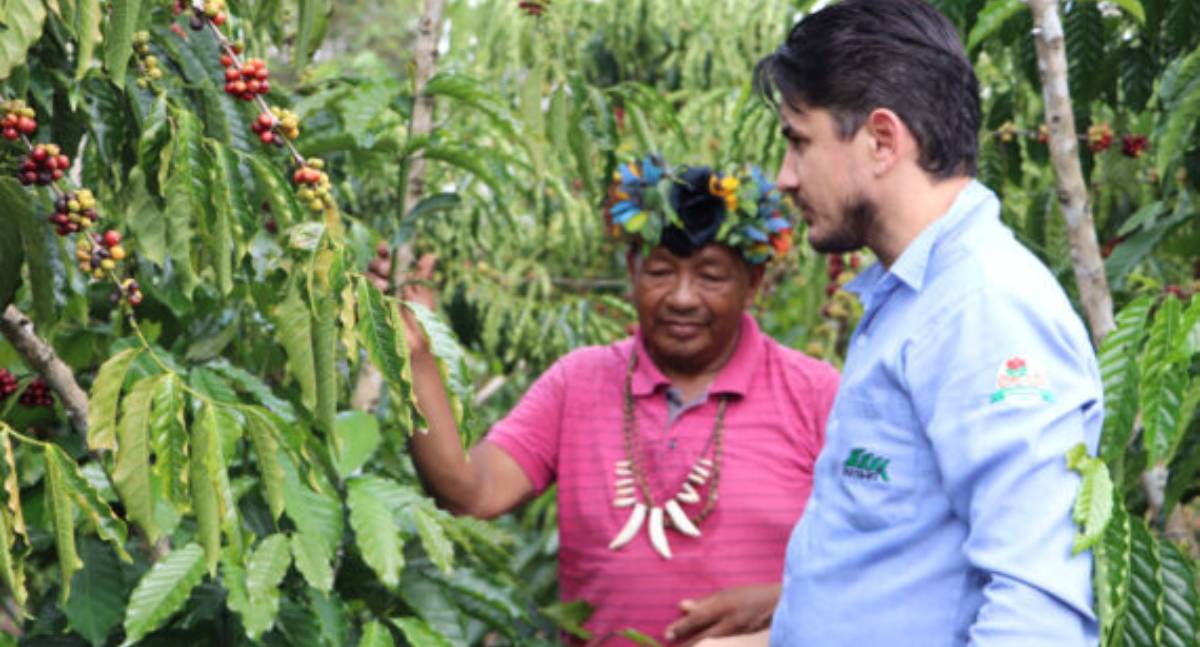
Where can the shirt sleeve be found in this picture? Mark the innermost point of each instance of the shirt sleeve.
(530, 432)
(1004, 390)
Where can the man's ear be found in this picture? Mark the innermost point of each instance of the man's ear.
(888, 139)
(633, 260)
(757, 271)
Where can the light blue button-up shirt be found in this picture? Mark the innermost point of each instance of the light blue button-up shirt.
(941, 508)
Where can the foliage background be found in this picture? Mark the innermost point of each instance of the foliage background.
(271, 511)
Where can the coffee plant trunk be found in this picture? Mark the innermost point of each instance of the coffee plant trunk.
(40, 356)
(370, 383)
(1064, 155)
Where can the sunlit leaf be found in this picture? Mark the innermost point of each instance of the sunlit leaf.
(375, 530)
(202, 464)
(118, 42)
(374, 634)
(23, 28)
(87, 30)
(102, 404)
(162, 591)
(418, 633)
(264, 437)
(62, 513)
(104, 521)
(131, 473)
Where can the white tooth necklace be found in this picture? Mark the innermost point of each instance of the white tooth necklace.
(631, 480)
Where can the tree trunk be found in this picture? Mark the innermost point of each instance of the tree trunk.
(39, 356)
(369, 384)
(1077, 211)
(1064, 154)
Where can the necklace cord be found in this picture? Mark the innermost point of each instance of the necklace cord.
(634, 454)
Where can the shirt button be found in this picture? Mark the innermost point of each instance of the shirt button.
(671, 444)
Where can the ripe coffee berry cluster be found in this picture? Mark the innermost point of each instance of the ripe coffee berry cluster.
(101, 255)
(272, 127)
(838, 273)
(1099, 137)
(74, 212)
(264, 127)
(213, 10)
(533, 7)
(19, 119)
(150, 71)
(44, 165)
(131, 292)
(8, 383)
(249, 81)
(37, 394)
(1134, 145)
(314, 188)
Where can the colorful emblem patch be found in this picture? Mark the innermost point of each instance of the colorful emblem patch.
(864, 464)
(1021, 381)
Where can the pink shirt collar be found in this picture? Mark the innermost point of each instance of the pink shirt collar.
(734, 377)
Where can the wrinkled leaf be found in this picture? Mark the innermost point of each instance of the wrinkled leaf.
(131, 473)
(162, 591)
(102, 403)
(375, 530)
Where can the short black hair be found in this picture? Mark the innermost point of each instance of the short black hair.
(700, 211)
(856, 56)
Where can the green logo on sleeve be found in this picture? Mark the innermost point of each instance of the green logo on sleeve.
(865, 465)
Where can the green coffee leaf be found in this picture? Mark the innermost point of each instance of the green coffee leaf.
(162, 591)
(118, 46)
(62, 514)
(375, 529)
(102, 403)
(131, 473)
(418, 633)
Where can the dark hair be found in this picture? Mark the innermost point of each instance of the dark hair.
(701, 212)
(860, 55)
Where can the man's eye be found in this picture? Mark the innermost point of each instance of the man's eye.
(713, 277)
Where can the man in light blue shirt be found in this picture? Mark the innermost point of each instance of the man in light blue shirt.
(941, 509)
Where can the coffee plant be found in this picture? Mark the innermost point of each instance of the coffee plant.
(209, 207)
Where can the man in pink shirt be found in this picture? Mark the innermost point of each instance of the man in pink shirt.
(643, 434)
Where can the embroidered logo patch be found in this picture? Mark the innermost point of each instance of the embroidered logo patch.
(1021, 381)
(865, 465)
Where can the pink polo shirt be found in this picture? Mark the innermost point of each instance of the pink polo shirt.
(568, 427)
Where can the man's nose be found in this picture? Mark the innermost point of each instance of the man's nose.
(684, 294)
(789, 179)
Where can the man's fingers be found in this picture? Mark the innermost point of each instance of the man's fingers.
(724, 627)
(699, 617)
(425, 266)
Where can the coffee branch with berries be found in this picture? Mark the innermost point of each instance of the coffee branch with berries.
(248, 79)
(46, 165)
(1099, 138)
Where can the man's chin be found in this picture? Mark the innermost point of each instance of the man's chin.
(834, 245)
(680, 354)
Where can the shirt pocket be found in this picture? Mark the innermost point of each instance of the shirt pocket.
(879, 469)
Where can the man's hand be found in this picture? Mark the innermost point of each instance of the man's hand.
(418, 289)
(737, 610)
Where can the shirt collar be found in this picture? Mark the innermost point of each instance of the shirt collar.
(911, 267)
(914, 260)
(733, 378)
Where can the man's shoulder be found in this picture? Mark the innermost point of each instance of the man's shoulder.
(593, 360)
(799, 366)
(987, 265)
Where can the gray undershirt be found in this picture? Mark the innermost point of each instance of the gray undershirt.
(676, 407)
